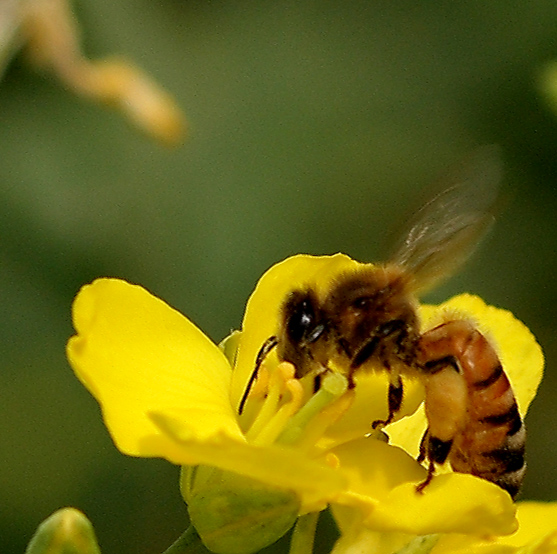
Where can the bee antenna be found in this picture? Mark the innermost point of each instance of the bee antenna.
(264, 351)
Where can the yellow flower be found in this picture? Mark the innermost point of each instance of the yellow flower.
(48, 31)
(167, 391)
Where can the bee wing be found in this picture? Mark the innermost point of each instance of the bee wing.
(446, 230)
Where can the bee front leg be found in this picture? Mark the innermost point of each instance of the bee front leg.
(394, 401)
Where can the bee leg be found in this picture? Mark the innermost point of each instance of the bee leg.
(268, 345)
(394, 400)
(437, 452)
(422, 453)
(430, 472)
(316, 383)
(446, 397)
(318, 379)
(396, 392)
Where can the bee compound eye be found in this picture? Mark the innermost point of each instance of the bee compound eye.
(301, 320)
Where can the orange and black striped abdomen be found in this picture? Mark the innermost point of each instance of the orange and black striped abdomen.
(480, 430)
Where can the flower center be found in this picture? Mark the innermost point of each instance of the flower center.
(280, 410)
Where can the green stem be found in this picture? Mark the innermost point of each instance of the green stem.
(188, 543)
(304, 534)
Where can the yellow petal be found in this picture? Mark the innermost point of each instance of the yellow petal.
(369, 405)
(536, 534)
(364, 541)
(373, 469)
(262, 315)
(136, 355)
(382, 484)
(408, 432)
(315, 482)
(538, 523)
(453, 503)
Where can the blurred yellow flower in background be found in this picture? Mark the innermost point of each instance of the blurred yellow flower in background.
(48, 32)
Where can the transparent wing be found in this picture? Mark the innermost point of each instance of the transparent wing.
(445, 232)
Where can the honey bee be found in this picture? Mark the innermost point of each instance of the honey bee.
(368, 319)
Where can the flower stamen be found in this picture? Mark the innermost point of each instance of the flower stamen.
(268, 424)
(317, 427)
(319, 411)
(283, 415)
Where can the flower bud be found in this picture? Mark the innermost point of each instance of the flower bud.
(66, 531)
(234, 514)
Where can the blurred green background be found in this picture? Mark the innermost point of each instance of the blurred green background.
(315, 126)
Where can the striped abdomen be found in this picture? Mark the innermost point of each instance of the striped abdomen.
(473, 416)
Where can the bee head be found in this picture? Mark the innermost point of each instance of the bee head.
(303, 329)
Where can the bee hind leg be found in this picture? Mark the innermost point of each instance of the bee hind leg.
(422, 453)
(436, 451)
(430, 473)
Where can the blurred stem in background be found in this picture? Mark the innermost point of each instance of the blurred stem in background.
(48, 31)
(547, 84)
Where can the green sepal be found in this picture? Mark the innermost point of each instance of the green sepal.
(66, 531)
(234, 514)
